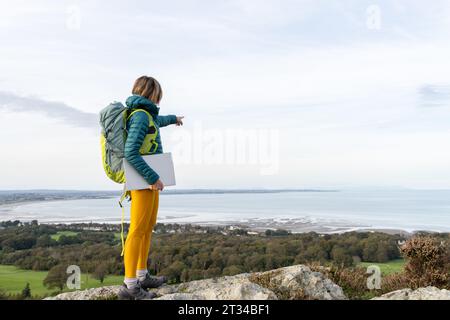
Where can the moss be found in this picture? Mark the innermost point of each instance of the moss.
(107, 297)
(267, 280)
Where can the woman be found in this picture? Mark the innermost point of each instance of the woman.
(143, 126)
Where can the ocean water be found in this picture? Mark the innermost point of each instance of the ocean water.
(407, 210)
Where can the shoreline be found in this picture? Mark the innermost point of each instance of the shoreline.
(260, 225)
(292, 224)
(230, 225)
(320, 229)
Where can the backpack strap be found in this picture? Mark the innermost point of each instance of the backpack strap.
(125, 194)
(150, 118)
(151, 123)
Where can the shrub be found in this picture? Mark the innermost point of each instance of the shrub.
(427, 262)
(353, 281)
(56, 277)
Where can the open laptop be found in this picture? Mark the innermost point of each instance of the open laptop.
(162, 163)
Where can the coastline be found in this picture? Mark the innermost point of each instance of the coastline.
(301, 222)
(293, 225)
(230, 225)
(308, 227)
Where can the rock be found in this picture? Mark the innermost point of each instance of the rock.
(180, 296)
(295, 282)
(103, 293)
(166, 290)
(237, 287)
(299, 282)
(428, 293)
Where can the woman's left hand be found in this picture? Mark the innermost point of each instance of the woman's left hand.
(179, 121)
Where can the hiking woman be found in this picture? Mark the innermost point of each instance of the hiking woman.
(143, 126)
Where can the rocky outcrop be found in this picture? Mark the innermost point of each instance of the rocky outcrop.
(295, 282)
(298, 282)
(428, 293)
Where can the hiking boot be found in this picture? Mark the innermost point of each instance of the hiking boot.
(137, 293)
(152, 281)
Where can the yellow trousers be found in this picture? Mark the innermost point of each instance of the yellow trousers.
(144, 210)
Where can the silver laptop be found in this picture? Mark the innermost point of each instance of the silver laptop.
(162, 163)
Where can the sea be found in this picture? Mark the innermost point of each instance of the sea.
(297, 211)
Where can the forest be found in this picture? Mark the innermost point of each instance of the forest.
(186, 252)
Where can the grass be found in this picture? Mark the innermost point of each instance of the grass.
(57, 235)
(390, 267)
(13, 280)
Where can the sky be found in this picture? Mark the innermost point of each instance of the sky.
(275, 94)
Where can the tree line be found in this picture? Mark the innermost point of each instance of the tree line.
(191, 254)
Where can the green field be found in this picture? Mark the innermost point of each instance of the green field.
(388, 267)
(13, 280)
(63, 233)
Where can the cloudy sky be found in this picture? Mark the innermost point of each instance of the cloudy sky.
(325, 94)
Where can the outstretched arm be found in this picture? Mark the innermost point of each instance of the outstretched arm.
(164, 121)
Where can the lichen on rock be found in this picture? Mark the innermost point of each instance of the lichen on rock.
(295, 282)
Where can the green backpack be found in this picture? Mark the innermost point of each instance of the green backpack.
(113, 122)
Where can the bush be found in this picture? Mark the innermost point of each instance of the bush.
(56, 277)
(427, 262)
(26, 292)
(353, 281)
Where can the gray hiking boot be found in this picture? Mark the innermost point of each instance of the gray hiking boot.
(137, 293)
(152, 281)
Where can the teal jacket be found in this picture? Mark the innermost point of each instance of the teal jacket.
(137, 127)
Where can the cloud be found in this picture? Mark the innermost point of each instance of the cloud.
(432, 95)
(56, 110)
(339, 92)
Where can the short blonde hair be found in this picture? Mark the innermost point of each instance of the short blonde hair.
(149, 88)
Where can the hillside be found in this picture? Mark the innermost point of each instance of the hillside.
(297, 282)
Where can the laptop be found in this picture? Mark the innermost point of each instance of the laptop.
(162, 163)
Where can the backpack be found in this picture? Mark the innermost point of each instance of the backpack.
(113, 122)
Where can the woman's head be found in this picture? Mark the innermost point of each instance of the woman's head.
(149, 88)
